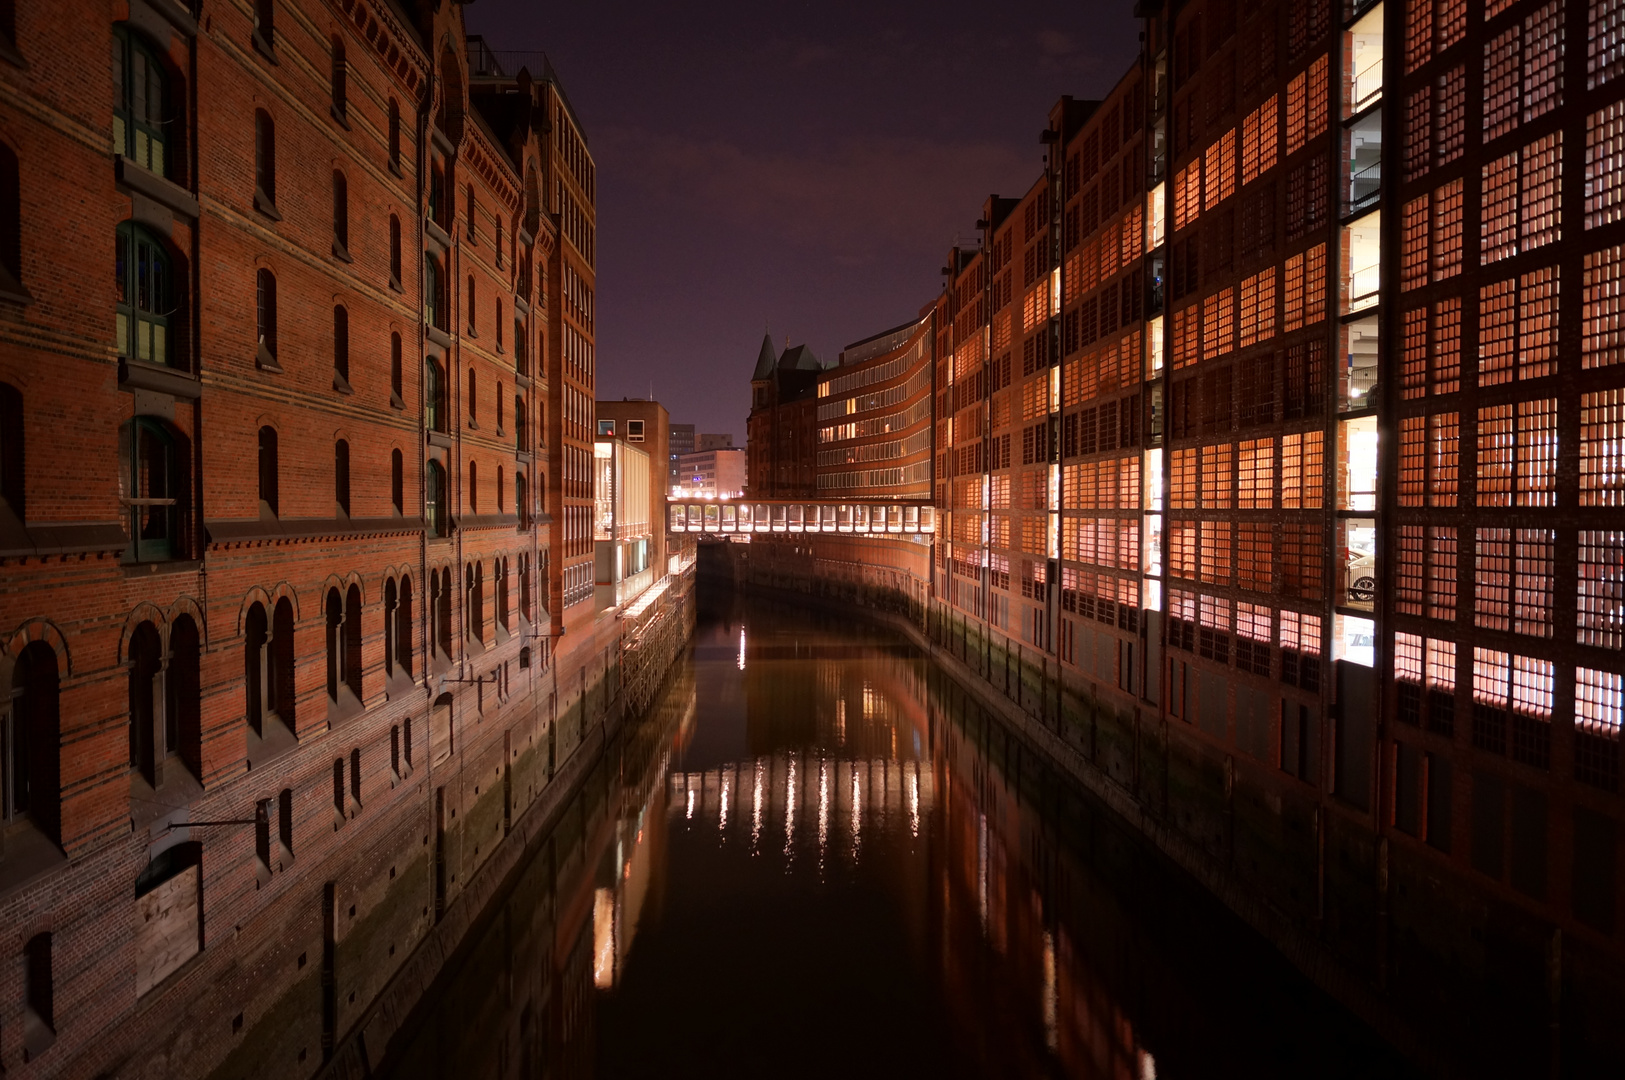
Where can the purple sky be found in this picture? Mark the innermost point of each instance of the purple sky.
(800, 167)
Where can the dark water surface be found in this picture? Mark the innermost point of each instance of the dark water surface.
(816, 859)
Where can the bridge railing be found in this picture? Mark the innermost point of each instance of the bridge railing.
(729, 516)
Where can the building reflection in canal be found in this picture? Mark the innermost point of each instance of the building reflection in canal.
(816, 857)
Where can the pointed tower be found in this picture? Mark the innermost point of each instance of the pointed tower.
(759, 425)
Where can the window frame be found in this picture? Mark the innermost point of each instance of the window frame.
(143, 268)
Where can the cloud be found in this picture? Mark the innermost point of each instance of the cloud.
(1056, 43)
(855, 200)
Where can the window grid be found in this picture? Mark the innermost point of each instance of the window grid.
(1418, 33)
(1499, 209)
(1418, 132)
(1255, 544)
(1605, 160)
(1532, 570)
(1412, 460)
(1598, 706)
(1502, 57)
(1539, 216)
(1497, 319)
(1447, 231)
(1543, 60)
(1413, 257)
(1605, 58)
(1452, 116)
(1444, 458)
(1446, 348)
(1492, 579)
(1602, 448)
(1441, 570)
(1408, 577)
(1602, 336)
(1413, 373)
(1302, 471)
(1599, 620)
(1217, 484)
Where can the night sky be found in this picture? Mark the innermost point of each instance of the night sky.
(799, 168)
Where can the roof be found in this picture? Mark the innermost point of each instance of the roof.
(799, 358)
(766, 360)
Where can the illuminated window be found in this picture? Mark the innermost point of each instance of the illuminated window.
(1258, 307)
(1497, 334)
(1537, 323)
(1217, 477)
(1182, 479)
(1599, 621)
(1306, 105)
(1599, 707)
(1532, 582)
(1418, 132)
(1302, 471)
(1605, 164)
(1443, 459)
(1412, 460)
(1532, 711)
(1539, 214)
(1219, 323)
(1408, 655)
(1220, 169)
(1441, 573)
(1216, 553)
(1305, 288)
(1452, 115)
(1300, 649)
(1491, 674)
(1543, 60)
(1452, 22)
(1499, 209)
(1255, 475)
(1418, 33)
(1408, 588)
(1502, 57)
(1602, 339)
(1605, 58)
(1188, 194)
(1445, 356)
(1447, 228)
(1413, 369)
(1260, 132)
(1413, 257)
(1602, 448)
(1255, 557)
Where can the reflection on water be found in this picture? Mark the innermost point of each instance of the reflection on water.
(816, 858)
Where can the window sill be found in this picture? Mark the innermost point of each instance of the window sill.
(439, 438)
(264, 47)
(265, 360)
(521, 380)
(521, 305)
(12, 290)
(140, 375)
(140, 179)
(133, 568)
(395, 401)
(437, 335)
(341, 252)
(28, 855)
(264, 204)
(9, 53)
(271, 742)
(441, 142)
(347, 705)
(341, 384)
(339, 115)
(173, 12)
(399, 685)
(433, 231)
(171, 800)
(395, 167)
(395, 283)
(473, 424)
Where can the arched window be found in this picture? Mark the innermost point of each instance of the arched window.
(434, 395)
(268, 472)
(391, 602)
(344, 646)
(268, 668)
(39, 994)
(264, 160)
(340, 80)
(440, 612)
(473, 304)
(501, 569)
(265, 22)
(11, 225)
(341, 216)
(145, 664)
(473, 238)
(145, 294)
(183, 697)
(31, 727)
(395, 371)
(437, 194)
(395, 251)
(265, 317)
(519, 358)
(341, 344)
(341, 476)
(397, 481)
(473, 487)
(476, 601)
(499, 406)
(155, 489)
(140, 99)
(394, 135)
(434, 294)
(434, 487)
(498, 244)
(403, 629)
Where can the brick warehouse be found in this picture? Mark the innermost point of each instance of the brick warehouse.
(1282, 491)
(255, 748)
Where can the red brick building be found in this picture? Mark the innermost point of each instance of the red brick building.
(781, 431)
(294, 507)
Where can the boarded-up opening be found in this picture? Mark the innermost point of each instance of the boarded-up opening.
(168, 914)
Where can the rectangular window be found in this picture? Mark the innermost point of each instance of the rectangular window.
(1602, 448)
(1302, 471)
(1492, 575)
(1602, 339)
(1600, 622)
(1260, 132)
(1441, 570)
(1605, 166)
(1447, 231)
(1502, 63)
(1452, 115)
(1539, 212)
(1220, 170)
(1418, 132)
(1408, 579)
(1543, 60)
(1217, 479)
(1599, 702)
(1498, 212)
(1413, 243)
(1605, 39)
(1444, 457)
(1412, 460)
(1302, 559)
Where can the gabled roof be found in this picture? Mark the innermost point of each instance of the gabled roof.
(799, 358)
(766, 360)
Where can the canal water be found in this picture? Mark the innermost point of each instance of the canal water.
(816, 858)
